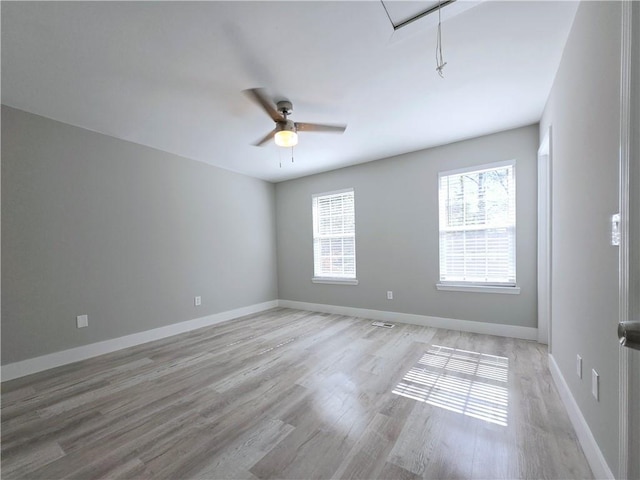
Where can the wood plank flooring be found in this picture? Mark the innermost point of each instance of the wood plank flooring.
(293, 394)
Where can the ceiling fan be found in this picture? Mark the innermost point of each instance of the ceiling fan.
(286, 131)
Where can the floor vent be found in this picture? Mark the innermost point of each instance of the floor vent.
(383, 324)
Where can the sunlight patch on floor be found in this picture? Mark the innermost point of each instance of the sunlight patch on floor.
(470, 383)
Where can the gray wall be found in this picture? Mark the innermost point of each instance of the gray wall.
(124, 233)
(583, 110)
(397, 233)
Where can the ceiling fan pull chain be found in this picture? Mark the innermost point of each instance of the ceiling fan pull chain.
(291, 154)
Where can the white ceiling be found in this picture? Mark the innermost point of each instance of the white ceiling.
(170, 75)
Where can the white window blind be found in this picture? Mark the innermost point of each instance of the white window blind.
(334, 232)
(478, 225)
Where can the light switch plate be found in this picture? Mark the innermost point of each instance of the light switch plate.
(615, 230)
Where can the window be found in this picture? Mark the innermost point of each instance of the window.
(334, 237)
(478, 226)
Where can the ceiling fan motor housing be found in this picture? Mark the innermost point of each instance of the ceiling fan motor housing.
(285, 107)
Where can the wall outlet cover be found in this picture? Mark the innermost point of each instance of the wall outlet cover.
(82, 321)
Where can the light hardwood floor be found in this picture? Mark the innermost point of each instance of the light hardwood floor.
(292, 394)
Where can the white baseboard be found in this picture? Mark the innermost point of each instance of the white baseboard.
(57, 359)
(589, 445)
(501, 330)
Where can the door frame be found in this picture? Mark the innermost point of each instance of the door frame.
(629, 251)
(544, 239)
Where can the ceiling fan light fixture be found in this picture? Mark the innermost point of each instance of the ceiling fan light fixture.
(285, 132)
(286, 138)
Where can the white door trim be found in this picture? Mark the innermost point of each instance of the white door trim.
(628, 234)
(544, 240)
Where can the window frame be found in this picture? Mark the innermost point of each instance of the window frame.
(474, 285)
(329, 279)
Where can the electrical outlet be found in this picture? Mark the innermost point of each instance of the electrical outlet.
(82, 321)
(197, 301)
(579, 366)
(595, 384)
(389, 295)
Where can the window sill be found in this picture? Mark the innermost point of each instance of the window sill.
(478, 288)
(335, 281)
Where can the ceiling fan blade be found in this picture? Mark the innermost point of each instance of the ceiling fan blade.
(258, 96)
(315, 127)
(265, 139)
